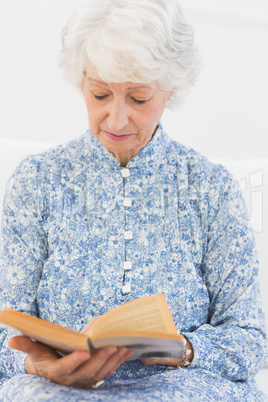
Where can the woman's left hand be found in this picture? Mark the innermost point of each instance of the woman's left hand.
(170, 361)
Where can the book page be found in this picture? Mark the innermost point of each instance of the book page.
(149, 314)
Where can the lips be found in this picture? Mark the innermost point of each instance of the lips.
(117, 137)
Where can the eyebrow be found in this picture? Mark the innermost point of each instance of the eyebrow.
(105, 84)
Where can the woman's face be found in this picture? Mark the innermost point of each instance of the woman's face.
(123, 116)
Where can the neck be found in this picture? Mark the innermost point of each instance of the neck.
(123, 159)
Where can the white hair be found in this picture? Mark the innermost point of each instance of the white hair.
(138, 41)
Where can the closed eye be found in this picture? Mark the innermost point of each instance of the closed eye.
(100, 97)
(139, 102)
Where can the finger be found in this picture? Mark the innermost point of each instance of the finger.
(113, 363)
(68, 364)
(47, 360)
(98, 360)
(149, 361)
(86, 374)
(162, 360)
(86, 330)
(122, 358)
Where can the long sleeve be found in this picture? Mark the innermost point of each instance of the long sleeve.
(23, 250)
(63, 254)
(233, 342)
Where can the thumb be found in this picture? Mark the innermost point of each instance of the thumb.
(30, 347)
(86, 330)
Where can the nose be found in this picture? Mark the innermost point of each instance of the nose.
(117, 116)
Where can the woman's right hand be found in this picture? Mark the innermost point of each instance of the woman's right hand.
(78, 369)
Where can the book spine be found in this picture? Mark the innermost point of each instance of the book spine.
(91, 348)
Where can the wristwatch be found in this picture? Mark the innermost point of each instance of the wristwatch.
(186, 354)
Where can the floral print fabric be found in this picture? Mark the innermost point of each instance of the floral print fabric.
(81, 235)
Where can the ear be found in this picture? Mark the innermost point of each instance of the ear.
(172, 94)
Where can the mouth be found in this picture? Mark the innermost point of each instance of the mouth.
(117, 137)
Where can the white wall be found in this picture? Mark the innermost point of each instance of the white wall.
(226, 113)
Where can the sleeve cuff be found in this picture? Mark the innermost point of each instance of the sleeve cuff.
(202, 351)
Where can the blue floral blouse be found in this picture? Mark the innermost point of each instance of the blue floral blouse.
(81, 235)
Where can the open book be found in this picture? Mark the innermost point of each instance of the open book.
(143, 325)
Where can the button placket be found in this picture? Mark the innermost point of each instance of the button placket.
(128, 235)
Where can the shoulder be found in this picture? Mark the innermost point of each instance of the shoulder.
(201, 179)
(55, 159)
(194, 166)
(38, 172)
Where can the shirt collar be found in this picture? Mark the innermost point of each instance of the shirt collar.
(150, 156)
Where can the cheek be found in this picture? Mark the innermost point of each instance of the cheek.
(95, 114)
(158, 110)
(151, 117)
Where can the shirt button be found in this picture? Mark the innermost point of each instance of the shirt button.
(127, 202)
(126, 289)
(125, 172)
(127, 265)
(128, 235)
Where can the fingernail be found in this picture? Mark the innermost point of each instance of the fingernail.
(122, 352)
(111, 351)
(82, 354)
(129, 353)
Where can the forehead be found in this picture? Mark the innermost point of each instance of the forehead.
(94, 79)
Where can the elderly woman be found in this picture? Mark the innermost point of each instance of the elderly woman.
(123, 212)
